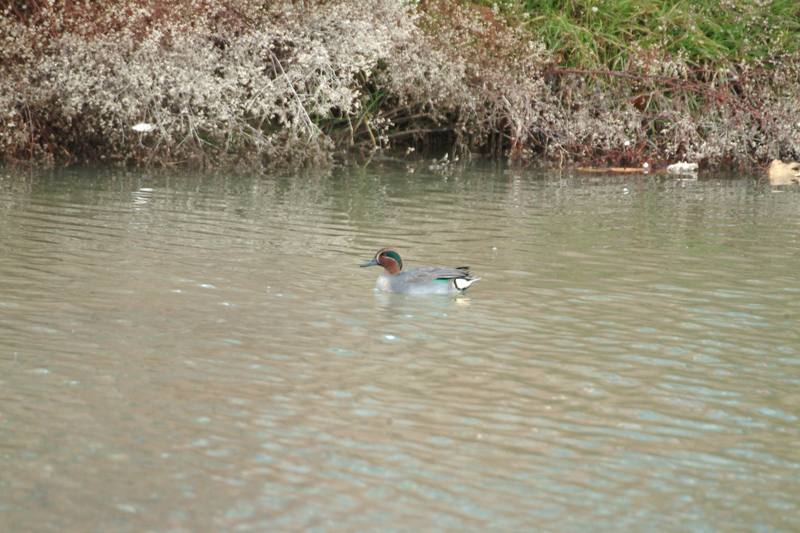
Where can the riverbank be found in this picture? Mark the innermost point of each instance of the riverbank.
(238, 84)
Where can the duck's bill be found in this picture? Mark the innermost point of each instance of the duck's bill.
(369, 263)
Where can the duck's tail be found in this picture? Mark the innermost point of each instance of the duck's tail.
(463, 284)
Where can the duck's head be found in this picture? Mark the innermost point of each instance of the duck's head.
(388, 258)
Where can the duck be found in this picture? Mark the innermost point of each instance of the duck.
(781, 173)
(419, 280)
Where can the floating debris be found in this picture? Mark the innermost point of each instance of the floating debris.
(612, 170)
(682, 168)
(781, 173)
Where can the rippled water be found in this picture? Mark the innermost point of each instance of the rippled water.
(202, 353)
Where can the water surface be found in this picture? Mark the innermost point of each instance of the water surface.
(202, 353)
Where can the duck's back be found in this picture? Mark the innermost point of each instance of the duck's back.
(428, 280)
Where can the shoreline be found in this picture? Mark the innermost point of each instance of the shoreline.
(291, 86)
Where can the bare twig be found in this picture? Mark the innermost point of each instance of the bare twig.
(313, 130)
(674, 83)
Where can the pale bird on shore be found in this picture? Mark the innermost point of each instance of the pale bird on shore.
(781, 173)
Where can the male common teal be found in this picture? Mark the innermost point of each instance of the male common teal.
(420, 280)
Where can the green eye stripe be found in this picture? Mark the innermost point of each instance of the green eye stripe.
(394, 255)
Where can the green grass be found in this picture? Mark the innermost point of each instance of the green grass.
(704, 33)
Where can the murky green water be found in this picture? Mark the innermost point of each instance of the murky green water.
(186, 353)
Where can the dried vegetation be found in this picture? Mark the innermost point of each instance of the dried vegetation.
(270, 84)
